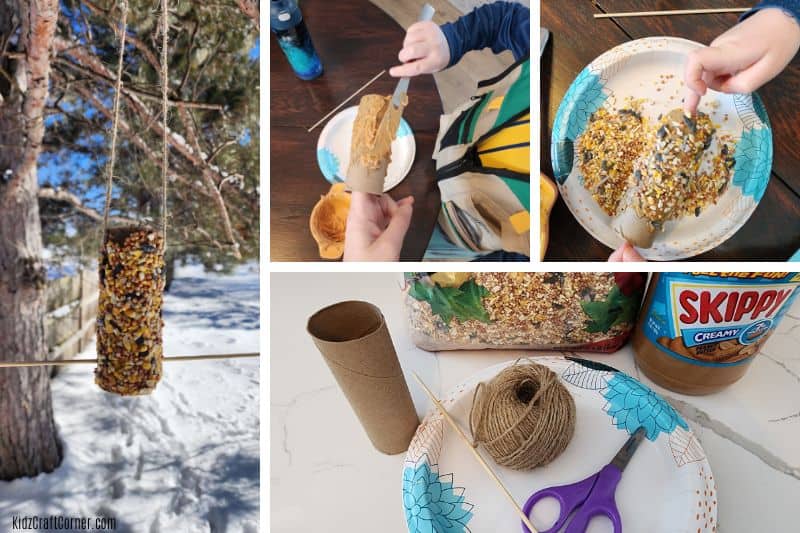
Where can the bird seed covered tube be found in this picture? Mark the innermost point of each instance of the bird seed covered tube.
(129, 323)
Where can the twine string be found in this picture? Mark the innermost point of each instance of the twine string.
(338, 107)
(112, 157)
(520, 428)
(165, 117)
(520, 417)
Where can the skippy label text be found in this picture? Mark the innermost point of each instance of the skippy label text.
(707, 312)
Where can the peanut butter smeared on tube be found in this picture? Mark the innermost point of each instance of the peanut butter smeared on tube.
(699, 332)
(374, 129)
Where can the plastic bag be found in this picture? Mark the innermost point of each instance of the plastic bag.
(521, 310)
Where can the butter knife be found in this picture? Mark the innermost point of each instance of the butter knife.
(402, 85)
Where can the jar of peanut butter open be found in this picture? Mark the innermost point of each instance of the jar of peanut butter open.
(699, 331)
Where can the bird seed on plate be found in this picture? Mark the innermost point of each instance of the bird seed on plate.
(662, 162)
(612, 141)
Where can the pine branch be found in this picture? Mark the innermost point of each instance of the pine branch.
(63, 196)
(211, 175)
(97, 67)
(188, 63)
(210, 189)
(188, 127)
(137, 43)
(153, 97)
(218, 150)
(138, 141)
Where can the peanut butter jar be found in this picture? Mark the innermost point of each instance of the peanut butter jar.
(698, 332)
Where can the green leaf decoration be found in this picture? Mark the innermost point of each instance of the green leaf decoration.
(462, 303)
(614, 310)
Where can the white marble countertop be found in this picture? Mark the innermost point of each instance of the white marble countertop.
(325, 475)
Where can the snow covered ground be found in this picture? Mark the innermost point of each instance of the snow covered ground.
(184, 459)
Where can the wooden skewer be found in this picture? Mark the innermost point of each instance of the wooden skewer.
(176, 358)
(338, 107)
(672, 12)
(478, 457)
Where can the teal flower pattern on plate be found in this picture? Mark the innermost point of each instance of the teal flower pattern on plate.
(584, 97)
(753, 162)
(761, 110)
(404, 129)
(328, 164)
(432, 504)
(632, 405)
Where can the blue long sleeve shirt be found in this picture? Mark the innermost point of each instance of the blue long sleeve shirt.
(790, 7)
(499, 26)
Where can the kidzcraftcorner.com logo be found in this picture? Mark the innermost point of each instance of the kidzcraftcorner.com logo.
(63, 523)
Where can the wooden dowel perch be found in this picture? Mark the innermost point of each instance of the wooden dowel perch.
(338, 107)
(451, 421)
(672, 12)
(176, 358)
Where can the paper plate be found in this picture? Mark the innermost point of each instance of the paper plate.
(333, 149)
(666, 487)
(632, 70)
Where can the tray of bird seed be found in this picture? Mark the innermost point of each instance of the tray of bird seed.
(631, 166)
(522, 310)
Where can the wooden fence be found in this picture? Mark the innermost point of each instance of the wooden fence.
(71, 314)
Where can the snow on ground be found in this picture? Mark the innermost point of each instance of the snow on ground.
(185, 458)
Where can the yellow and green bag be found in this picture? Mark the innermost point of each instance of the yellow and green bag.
(483, 166)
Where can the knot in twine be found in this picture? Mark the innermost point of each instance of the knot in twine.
(524, 416)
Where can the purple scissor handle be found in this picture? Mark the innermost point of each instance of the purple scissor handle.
(594, 496)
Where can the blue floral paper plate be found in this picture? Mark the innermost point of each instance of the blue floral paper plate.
(333, 149)
(651, 69)
(667, 487)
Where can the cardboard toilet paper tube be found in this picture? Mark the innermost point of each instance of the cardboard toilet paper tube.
(354, 341)
(630, 226)
(634, 229)
(363, 179)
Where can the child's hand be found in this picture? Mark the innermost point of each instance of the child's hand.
(625, 254)
(425, 51)
(376, 227)
(743, 58)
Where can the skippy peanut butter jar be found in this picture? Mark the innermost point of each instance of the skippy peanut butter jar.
(699, 331)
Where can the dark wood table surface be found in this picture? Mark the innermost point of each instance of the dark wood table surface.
(773, 231)
(355, 41)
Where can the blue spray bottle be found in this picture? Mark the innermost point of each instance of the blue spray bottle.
(286, 22)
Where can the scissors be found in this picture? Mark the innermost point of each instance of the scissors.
(594, 496)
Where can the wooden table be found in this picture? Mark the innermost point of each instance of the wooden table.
(773, 231)
(355, 41)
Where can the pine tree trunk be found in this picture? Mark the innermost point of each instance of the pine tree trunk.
(28, 444)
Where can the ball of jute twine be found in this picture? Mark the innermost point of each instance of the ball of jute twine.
(524, 416)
